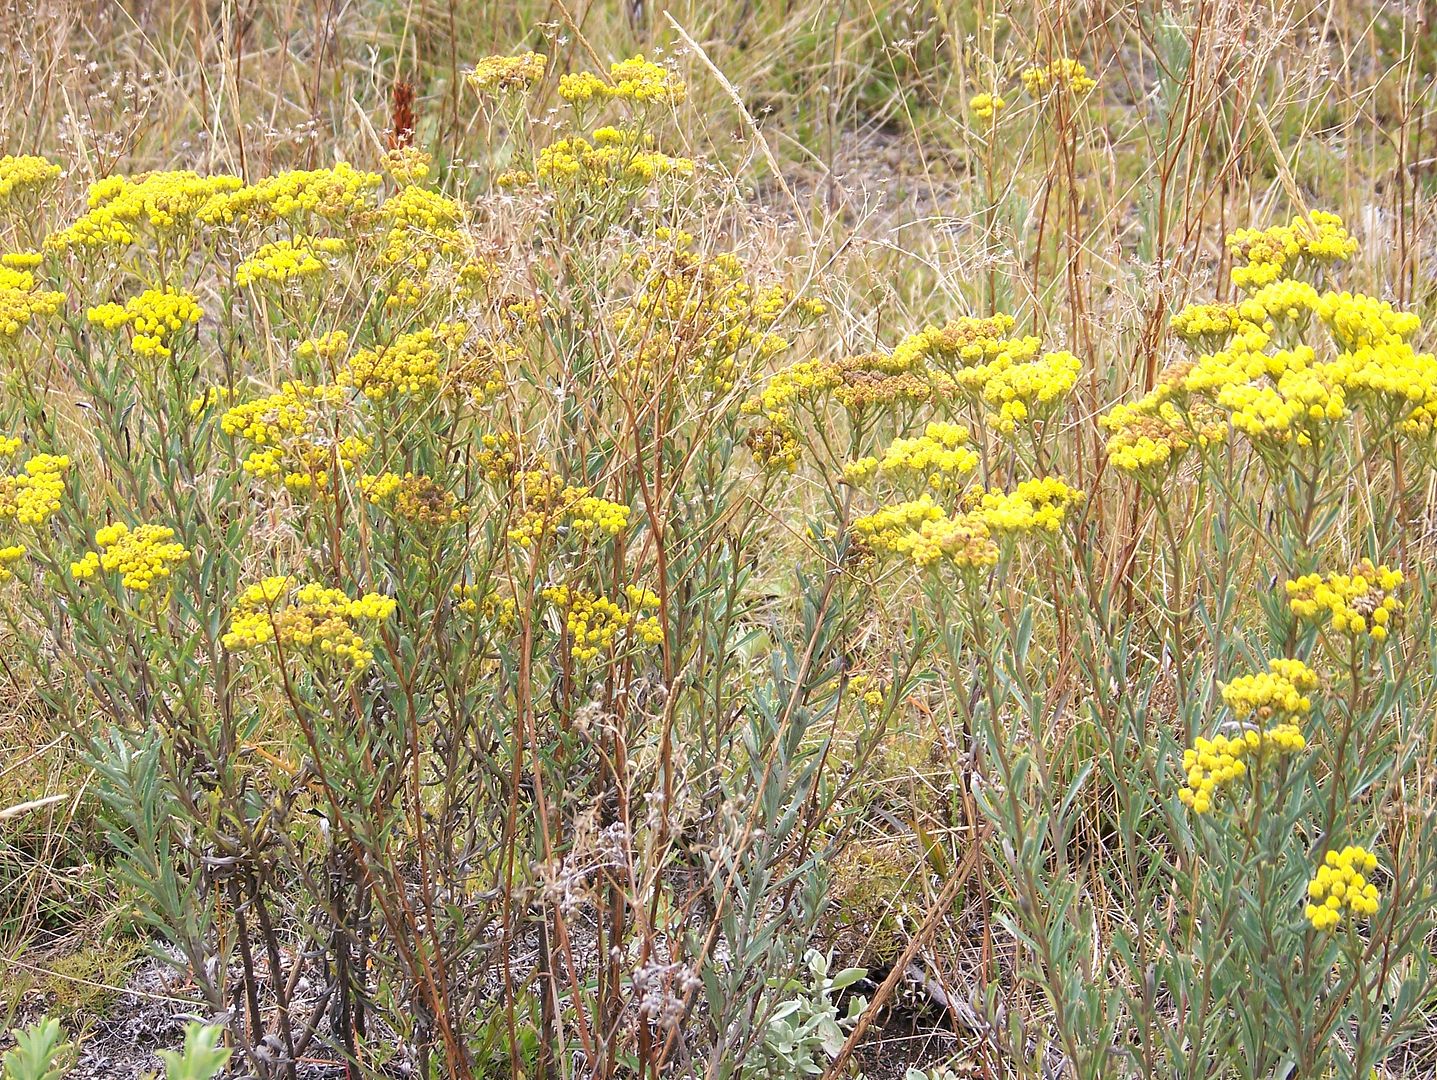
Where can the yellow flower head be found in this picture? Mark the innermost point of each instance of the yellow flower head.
(410, 364)
(1017, 391)
(122, 210)
(593, 623)
(288, 260)
(1278, 693)
(1360, 602)
(938, 458)
(544, 504)
(31, 496)
(333, 195)
(142, 556)
(152, 319)
(23, 175)
(495, 75)
(1063, 74)
(1265, 256)
(1341, 888)
(924, 533)
(986, 107)
(1207, 326)
(1037, 505)
(22, 300)
(417, 499)
(1213, 765)
(323, 625)
(635, 79)
(616, 155)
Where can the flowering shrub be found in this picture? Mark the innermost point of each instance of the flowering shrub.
(498, 592)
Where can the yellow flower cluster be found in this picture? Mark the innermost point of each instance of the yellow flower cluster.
(122, 208)
(1361, 601)
(21, 303)
(543, 502)
(1290, 250)
(977, 357)
(926, 532)
(141, 556)
(500, 74)
(637, 79)
(967, 340)
(497, 459)
(519, 312)
(1037, 505)
(293, 410)
(379, 487)
(333, 194)
(330, 345)
(309, 466)
(410, 364)
(1300, 404)
(1214, 764)
(1062, 74)
(1144, 441)
(407, 164)
(986, 107)
(938, 457)
(286, 260)
(417, 499)
(23, 174)
(1278, 693)
(806, 380)
(929, 367)
(295, 438)
(589, 514)
(1399, 382)
(592, 622)
(423, 237)
(1340, 887)
(615, 155)
(923, 532)
(153, 319)
(1017, 389)
(31, 496)
(470, 601)
(580, 87)
(868, 689)
(774, 447)
(423, 210)
(1359, 322)
(27, 498)
(634, 79)
(209, 398)
(1240, 380)
(322, 622)
(1286, 303)
(1207, 326)
(475, 277)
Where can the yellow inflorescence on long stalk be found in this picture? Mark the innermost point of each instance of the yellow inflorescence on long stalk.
(318, 622)
(1340, 888)
(1359, 602)
(142, 556)
(1260, 368)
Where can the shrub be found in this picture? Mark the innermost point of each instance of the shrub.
(485, 596)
